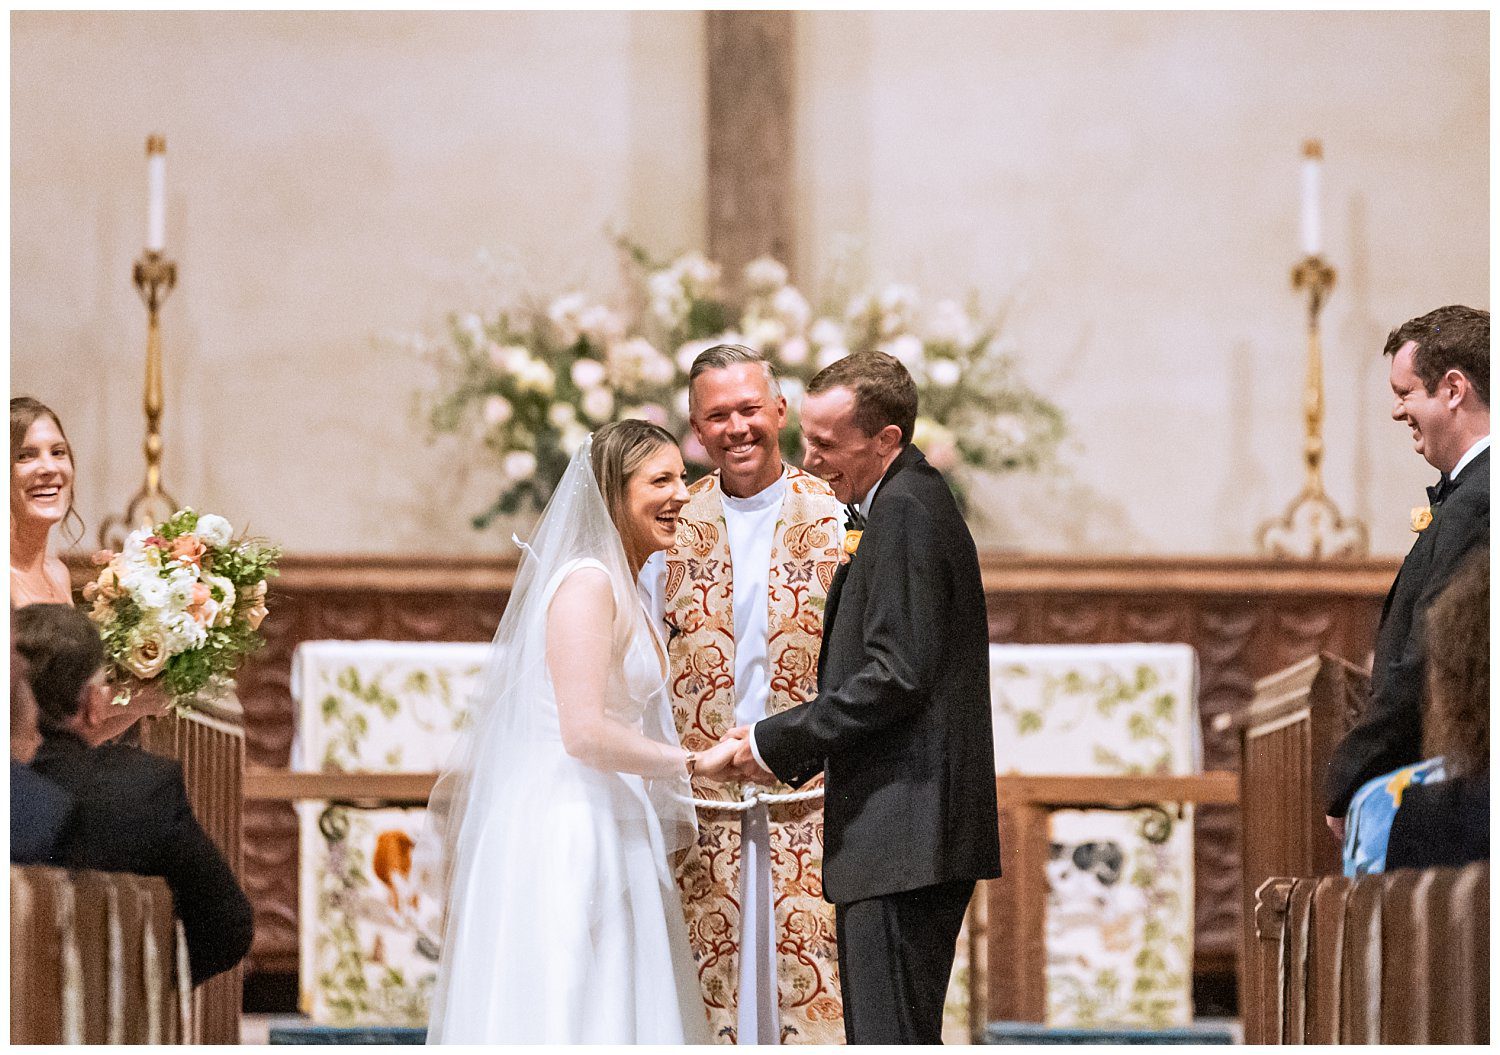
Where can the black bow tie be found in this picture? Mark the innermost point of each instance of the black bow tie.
(1438, 492)
(854, 520)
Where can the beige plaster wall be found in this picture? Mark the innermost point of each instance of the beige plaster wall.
(1128, 182)
(330, 179)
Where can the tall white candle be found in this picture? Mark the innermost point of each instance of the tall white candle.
(156, 197)
(1312, 220)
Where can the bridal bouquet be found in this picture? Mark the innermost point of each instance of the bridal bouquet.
(182, 602)
(528, 382)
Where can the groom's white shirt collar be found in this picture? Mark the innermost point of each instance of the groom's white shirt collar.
(1472, 453)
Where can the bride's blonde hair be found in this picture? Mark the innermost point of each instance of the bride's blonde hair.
(619, 449)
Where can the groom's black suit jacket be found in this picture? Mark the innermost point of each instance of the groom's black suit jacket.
(1389, 733)
(901, 722)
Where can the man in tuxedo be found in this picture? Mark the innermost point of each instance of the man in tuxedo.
(900, 727)
(1440, 375)
(132, 812)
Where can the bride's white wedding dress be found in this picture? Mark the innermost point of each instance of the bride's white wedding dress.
(564, 923)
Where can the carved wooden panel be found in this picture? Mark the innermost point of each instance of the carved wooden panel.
(1246, 618)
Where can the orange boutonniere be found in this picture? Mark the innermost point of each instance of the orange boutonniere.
(1421, 516)
(851, 544)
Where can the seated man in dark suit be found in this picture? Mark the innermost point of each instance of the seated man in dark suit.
(132, 811)
(1447, 821)
(39, 809)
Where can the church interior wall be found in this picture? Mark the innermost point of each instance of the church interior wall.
(1126, 184)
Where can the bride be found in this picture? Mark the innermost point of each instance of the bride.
(569, 794)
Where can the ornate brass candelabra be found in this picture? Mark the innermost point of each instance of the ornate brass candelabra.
(1312, 528)
(154, 276)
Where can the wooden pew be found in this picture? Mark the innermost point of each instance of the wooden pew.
(211, 747)
(1287, 736)
(95, 958)
(1401, 958)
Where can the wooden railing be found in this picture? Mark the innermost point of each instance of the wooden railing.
(211, 747)
(95, 958)
(1287, 736)
(1401, 958)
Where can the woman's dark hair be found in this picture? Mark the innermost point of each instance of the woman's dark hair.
(24, 412)
(63, 650)
(1457, 724)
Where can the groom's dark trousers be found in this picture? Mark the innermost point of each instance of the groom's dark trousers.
(901, 729)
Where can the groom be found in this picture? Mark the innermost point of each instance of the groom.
(901, 723)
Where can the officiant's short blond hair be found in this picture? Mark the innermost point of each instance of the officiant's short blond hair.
(618, 450)
(722, 355)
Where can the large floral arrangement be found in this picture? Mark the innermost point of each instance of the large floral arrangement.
(182, 602)
(528, 383)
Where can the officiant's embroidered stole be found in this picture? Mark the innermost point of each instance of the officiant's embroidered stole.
(700, 608)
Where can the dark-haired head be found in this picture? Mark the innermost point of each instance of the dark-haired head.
(63, 653)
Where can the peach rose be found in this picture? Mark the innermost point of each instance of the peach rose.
(102, 557)
(202, 606)
(188, 549)
(106, 588)
(147, 659)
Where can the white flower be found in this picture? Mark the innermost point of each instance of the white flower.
(657, 369)
(518, 465)
(1009, 428)
(472, 327)
(897, 300)
(944, 372)
(793, 390)
(598, 404)
(572, 437)
(699, 274)
(830, 354)
(651, 412)
(497, 411)
(601, 326)
(509, 358)
(561, 415)
(536, 376)
(825, 332)
(680, 401)
(690, 351)
(588, 373)
(764, 274)
(765, 333)
(794, 352)
(792, 307)
(225, 602)
(214, 530)
(664, 285)
(564, 313)
(907, 348)
(151, 591)
(950, 324)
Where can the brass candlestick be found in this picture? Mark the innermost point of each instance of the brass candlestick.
(154, 277)
(1312, 528)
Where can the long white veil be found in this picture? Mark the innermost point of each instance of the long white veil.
(512, 715)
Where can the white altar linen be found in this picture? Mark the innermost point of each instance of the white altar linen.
(1120, 905)
(370, 920)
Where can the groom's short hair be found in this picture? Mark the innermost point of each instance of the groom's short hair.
(884, 393)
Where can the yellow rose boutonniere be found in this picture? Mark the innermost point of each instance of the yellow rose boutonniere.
(851, 544)
(1421, 516)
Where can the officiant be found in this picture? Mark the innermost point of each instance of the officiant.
(742, 595)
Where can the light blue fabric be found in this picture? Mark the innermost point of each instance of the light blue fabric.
(1373, 810)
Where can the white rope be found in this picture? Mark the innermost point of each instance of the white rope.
(752, 797)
